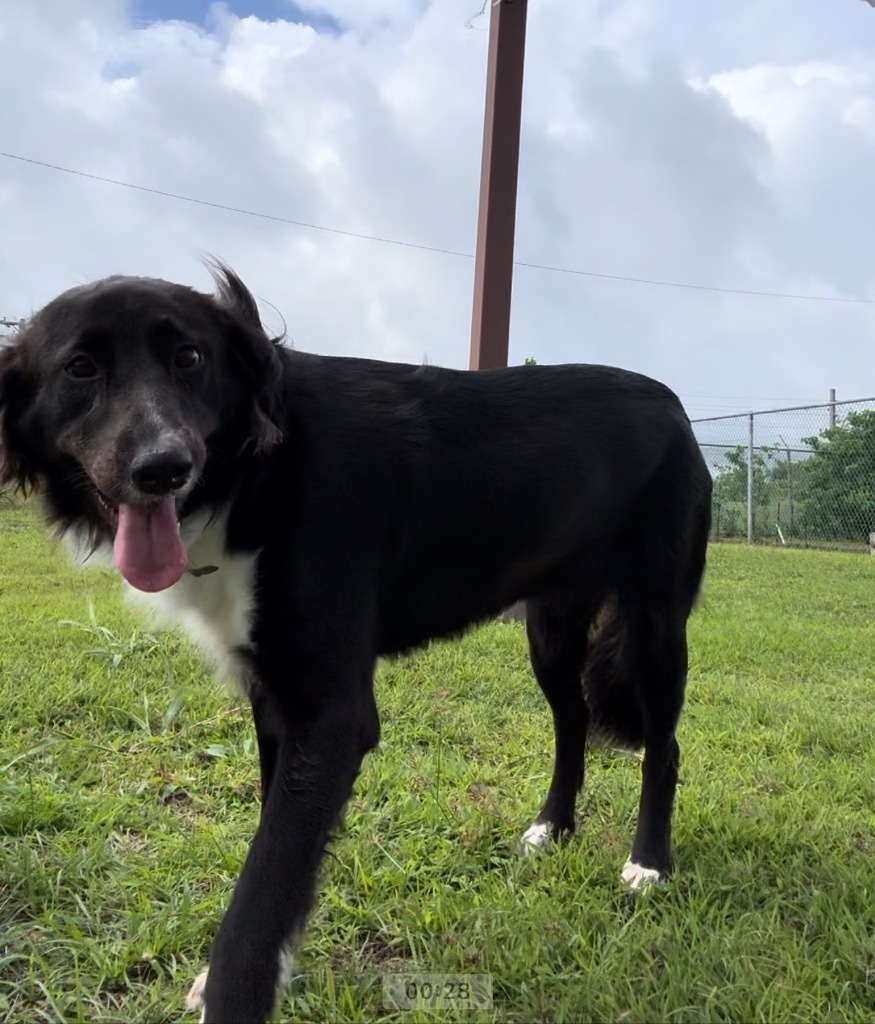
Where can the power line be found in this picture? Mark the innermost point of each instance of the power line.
(746, 398)
(699, 287)
(233, 209)
(655, 282)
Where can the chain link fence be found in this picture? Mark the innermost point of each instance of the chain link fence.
(7, 329)
(802, 476)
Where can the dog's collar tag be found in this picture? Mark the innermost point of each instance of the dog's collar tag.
(204, 570)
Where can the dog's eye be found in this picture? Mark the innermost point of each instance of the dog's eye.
(81, 367)
(187, 357)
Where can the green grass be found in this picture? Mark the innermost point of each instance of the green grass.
(128, 794)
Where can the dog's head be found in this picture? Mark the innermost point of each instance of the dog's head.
(118, 396)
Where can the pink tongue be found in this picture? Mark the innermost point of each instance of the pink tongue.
(148, 550)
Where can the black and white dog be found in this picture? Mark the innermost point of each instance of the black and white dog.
(303, 516)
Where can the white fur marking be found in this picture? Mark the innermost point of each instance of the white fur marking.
(195, 998)
(536, 837)
(638, 877)
(80, 549)
(287, 965)
(215, 609)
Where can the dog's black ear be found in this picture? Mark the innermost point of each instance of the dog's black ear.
(14, 469)
(255, 355)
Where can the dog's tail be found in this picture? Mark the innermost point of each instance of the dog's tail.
(608, 683)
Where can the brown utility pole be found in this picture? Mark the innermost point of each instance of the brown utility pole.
(493, 263)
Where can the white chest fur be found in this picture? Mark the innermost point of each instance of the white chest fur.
(215, 608)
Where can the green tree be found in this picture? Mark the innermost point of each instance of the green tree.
(839, 482)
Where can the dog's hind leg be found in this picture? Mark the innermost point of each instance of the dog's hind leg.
(660, 666)
(659, 580)
(557, 632)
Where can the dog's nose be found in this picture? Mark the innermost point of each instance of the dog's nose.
(162, 471)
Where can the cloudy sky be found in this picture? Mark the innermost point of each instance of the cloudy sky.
(722, 145)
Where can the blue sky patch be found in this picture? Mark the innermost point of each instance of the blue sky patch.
(115, 70)
(197, 12)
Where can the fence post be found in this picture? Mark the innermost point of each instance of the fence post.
(790, 487)
(832, 407)
(750, 478)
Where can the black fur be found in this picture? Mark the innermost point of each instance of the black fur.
(389, 504)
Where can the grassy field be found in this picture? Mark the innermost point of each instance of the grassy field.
(128, 795)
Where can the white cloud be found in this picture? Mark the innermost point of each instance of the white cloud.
(657, 143)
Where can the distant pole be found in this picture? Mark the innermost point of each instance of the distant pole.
(832, 407)
(790, 487)
(750, 478)
(493, 263)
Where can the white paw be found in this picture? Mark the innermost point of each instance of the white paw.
(287, 966)
(536, 837)
(638, 877)
(195, 998)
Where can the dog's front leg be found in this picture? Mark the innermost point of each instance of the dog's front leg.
(317, 761)
(269, 730)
